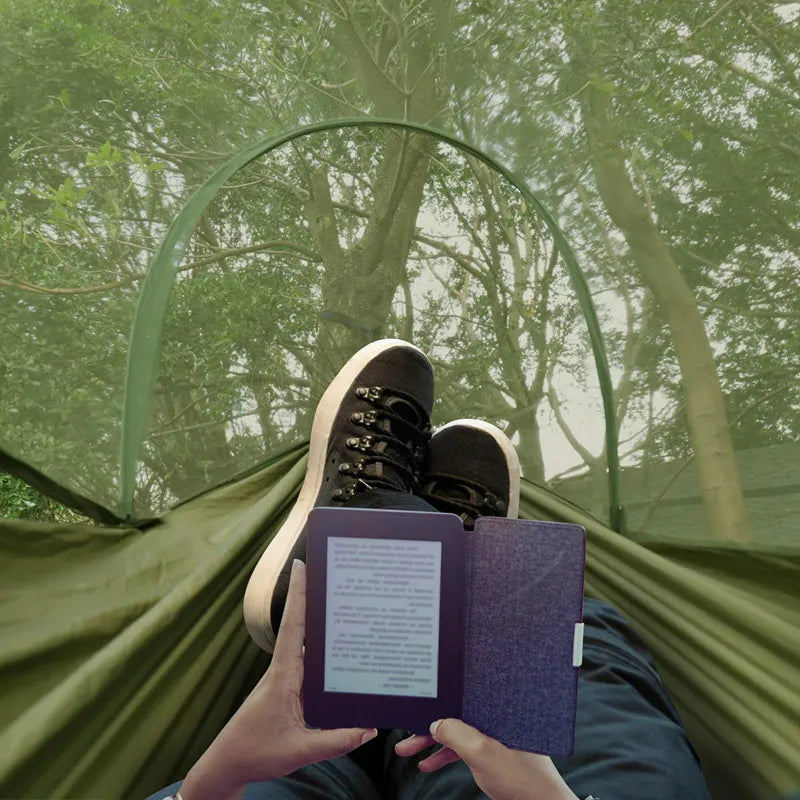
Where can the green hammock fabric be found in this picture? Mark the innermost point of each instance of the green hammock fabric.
(125, 650)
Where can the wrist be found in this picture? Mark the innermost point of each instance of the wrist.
(557, 788)
(208, 780)
(206, 790)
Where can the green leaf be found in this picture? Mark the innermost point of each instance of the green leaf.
(19, 151)
(105, 156)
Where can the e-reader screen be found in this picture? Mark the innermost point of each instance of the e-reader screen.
(382, 616)
(385, 600)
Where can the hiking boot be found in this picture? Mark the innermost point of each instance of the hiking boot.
(370, 430)
(472, 470)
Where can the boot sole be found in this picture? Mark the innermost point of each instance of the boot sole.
(512, 459)
(261, 586)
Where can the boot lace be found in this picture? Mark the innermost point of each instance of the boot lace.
(459, 495)
(396, 441)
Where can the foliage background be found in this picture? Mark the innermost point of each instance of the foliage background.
(665, 143)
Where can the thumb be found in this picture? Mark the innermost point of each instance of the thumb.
(326, 744)
(469, 743)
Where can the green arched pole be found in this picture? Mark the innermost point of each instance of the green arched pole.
(151, 309)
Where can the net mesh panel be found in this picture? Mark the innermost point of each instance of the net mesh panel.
(665, 147)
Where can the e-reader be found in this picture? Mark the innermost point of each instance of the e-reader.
(383, 648)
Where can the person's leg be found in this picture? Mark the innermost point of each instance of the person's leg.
(370, 430)
(629, 740)
(337, 779)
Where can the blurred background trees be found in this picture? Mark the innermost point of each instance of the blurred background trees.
(665, 143)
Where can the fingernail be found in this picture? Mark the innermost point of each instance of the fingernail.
(434, 726)
(369, 736)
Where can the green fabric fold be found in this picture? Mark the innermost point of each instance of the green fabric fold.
(124, 649)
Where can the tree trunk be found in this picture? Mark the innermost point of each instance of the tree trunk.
(705, 405)
(360, 282)
(530, 447)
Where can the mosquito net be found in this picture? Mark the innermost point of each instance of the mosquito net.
(660, 145)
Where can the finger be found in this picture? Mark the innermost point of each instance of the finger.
(321, 745)
(414, 744)
(441, 758)
(289, 644)
(470, 744)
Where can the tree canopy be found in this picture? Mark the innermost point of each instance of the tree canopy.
(663, 138)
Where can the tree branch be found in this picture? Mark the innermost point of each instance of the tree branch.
(15, 283)
(555, 404)
(787, 68)
(756, 80)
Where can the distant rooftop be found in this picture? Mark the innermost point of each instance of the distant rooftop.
(770, 479)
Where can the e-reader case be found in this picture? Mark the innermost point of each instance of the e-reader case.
(509, 667)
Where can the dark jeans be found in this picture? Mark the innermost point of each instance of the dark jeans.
(629, 744)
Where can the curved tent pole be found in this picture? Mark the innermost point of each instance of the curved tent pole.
(151, 308)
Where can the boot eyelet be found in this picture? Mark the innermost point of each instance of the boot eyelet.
(362, 391)
(342, 495)
(363, 443)
(344, 467)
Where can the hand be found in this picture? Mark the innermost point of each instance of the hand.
(267, 737)
(501, 773)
